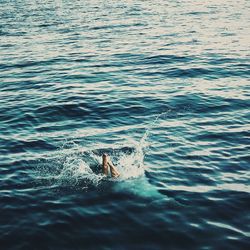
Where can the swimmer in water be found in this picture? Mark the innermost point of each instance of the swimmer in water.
(106, 163)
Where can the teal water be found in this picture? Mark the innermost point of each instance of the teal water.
(162, 87)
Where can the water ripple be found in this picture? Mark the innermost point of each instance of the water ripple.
(162, 87)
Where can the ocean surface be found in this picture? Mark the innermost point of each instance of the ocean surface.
(162, 87)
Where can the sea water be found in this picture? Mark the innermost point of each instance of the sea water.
(162, 87)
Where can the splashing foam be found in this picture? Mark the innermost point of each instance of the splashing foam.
(130, 165)
(76, 170)
(74, 166)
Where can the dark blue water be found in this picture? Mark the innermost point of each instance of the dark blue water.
(161, 86)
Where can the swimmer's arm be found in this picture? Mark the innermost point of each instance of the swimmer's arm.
(111, 164)
(114, 171)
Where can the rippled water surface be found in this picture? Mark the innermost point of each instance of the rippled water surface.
(162, 87)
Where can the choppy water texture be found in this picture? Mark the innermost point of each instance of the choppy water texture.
(162, 86)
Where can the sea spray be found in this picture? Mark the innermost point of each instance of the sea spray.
(75, 166)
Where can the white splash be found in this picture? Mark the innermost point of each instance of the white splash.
(130, 165)
(75, 166)
(75, 170)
